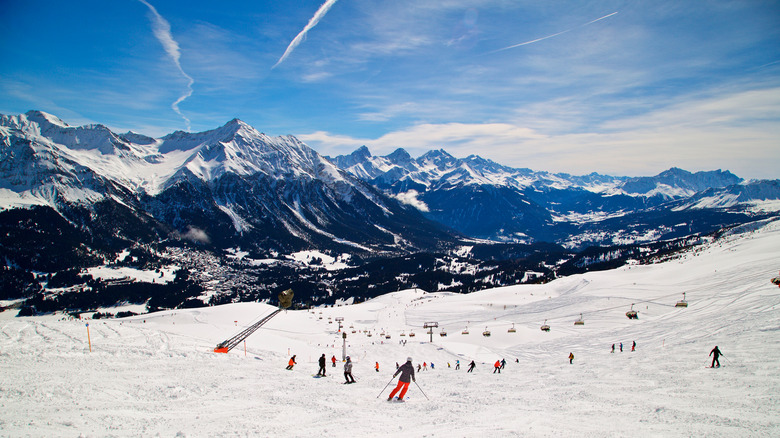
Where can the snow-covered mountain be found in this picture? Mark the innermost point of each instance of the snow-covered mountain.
(229, 187)
(484, 199)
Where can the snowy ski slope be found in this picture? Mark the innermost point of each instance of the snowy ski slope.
(156, 375)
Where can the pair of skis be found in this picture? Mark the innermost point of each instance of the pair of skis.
(391, 381)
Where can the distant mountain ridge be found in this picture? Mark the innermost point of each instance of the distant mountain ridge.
(241, 188)
(484, 199)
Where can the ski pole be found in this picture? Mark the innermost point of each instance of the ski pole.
(423, 392)
(388, 384)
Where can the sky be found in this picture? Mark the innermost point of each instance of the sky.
(619, 87)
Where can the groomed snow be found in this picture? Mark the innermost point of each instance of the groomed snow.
(156, 374)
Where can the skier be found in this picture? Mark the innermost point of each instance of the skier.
(321, 372)
(333, 359)
(613, 348)
(419, 367)
(472, 365)
(503, 363)
(715, 353)
(407, 372)
(621, 347)
(348, 371)
(425, 366)
(497, 367)
(291, 363)
(571, 358)
(457, 364)
(431, 365)
(377, 367)
(633, 346)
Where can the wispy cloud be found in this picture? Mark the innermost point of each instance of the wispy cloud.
(302, 35)
(553, 35)
(162, 31)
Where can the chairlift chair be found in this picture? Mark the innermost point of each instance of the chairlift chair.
(512, 329)
(579, 321)
(682, 303)
(632, 314)
(443, 333)
(465, 331)
(411, 334)
(486, 333)
(545, 327)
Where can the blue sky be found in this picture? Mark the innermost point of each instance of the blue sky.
(611, 86)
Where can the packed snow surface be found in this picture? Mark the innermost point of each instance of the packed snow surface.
(157, 374)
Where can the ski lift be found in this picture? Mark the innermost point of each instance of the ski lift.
(545, 327)
(512, 330)
(354, 331)
(411, 334)
(579, 321)
(403, 334)
(632, 314)
(682, 302)
(486, 333)
(465, 331)
(443, 334)
(369, 334)
(387, 337)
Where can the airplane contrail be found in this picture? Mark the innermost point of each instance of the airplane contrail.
(162, 31)
(302, 35)
(553, 35)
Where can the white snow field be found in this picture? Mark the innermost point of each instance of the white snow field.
(157, 374)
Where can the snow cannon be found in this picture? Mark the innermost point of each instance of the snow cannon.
(285, 298)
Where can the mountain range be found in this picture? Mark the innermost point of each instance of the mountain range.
(483, 199)
(78, 196)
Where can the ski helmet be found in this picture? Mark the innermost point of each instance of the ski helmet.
(409, 359)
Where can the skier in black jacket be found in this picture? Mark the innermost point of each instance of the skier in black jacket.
(715, 353)
(407, 372)
(321, 372)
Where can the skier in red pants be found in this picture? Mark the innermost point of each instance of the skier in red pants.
(407, 372)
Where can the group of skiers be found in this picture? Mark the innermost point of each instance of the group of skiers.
(633, 347)
(407, 369)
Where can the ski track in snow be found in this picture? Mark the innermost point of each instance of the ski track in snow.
(156, 374)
